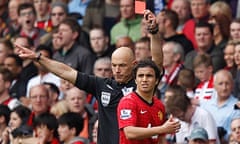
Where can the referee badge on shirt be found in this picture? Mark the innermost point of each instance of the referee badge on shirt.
(105, 98)
(125, 114)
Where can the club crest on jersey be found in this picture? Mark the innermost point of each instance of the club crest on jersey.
(125, 114)
(160, 115)
(105, 98)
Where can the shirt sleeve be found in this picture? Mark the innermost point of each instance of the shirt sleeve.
(126, 112)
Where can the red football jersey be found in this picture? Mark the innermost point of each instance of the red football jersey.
(135, 111)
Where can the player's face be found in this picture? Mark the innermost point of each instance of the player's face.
(146, 80)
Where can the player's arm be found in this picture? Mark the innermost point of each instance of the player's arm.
(156, 38)
(169, 127)
(60, 69)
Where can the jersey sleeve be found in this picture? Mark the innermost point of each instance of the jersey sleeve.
(126, 112)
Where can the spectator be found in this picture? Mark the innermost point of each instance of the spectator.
(172, 63)
(18, 117)
(29, 70)
(221, 108)
(182, 8)
(70, 125)
(111, 90)
(237, 62)
(186, 79)
(220, 18)
(205, 43)
(203, 70)
(5, 116)
(43, 74)
(125, 41)
(200, 12)
(221, 8)
(94, 133)
(54, 92)
(59, 12)
(71, 52)
(190, 116)
(101, 13)
(5, 98)
(13, 26)
(39, 98)
(45, 126)
(229, 57)
(76, 102)
(235, 29)
(235, 129)
(129, 24)
(19, 84)
(99, 41)
(64, 86)
(26, 18)
(167, 25)
(6, 48)
(102, 68)
(142, 49)
(43, 20)
(3, 11)
(198, 135)
(141, 116)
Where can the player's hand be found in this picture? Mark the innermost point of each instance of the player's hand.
(172, 125)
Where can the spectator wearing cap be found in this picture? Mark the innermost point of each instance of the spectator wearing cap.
(198, 136)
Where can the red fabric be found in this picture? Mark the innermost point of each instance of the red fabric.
(30, 120)
(204, 90)
(170, 4)
(188, 31)
(55, 141)
(46, 25)
(92, 101)
(134, 111)
(6, 102)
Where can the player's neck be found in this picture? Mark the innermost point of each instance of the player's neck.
(147, 96)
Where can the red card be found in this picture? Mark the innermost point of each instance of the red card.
(140, 6)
